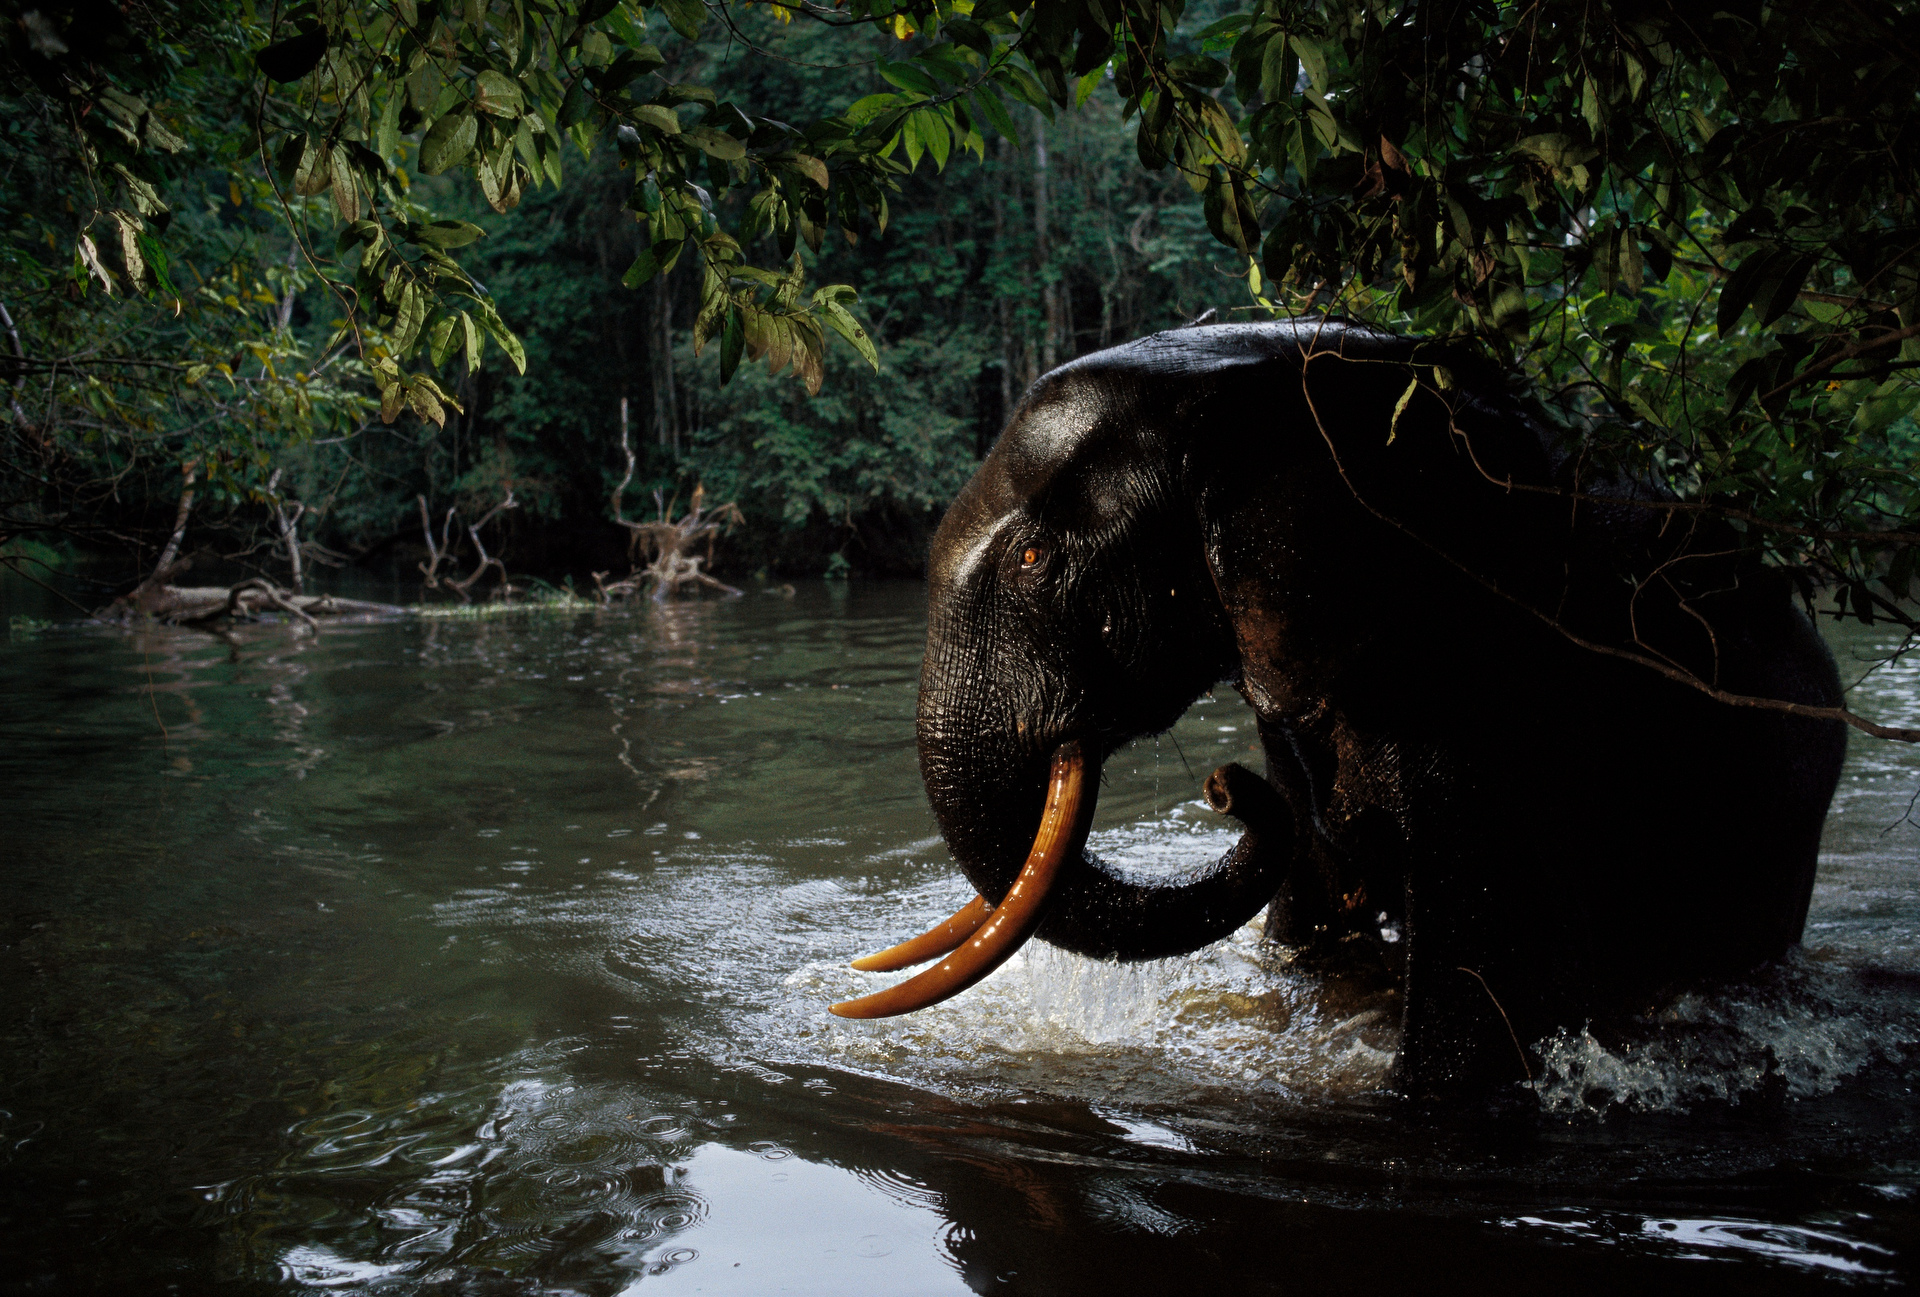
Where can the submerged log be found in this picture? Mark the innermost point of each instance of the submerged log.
(198, 604)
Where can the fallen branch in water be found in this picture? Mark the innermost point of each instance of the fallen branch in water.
(198, 605)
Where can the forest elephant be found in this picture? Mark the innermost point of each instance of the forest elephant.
(1529, 734)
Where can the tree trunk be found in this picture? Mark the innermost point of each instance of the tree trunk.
(1002, 308)
(665, 417)
(172, 551)
(1043, 251)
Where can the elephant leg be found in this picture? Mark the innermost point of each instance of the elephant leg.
(1472, 1004)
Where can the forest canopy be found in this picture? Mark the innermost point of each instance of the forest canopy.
(363, 264)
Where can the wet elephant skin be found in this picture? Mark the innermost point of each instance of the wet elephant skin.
(1415, 597)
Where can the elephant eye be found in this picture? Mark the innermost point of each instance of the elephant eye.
(1030, 556)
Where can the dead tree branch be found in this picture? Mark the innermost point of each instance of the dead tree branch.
(288, 522)
(442, 551)
(665, 543)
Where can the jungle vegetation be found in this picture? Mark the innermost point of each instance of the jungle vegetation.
(297, 280)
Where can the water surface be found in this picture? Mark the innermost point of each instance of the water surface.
(491, 955)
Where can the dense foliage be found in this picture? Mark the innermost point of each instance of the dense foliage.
(1693, 232)
(241, 353)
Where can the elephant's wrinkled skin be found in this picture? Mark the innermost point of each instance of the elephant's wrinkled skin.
(1552, 833)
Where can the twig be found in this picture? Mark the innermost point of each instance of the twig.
(1525, 1066)
(1845, 353)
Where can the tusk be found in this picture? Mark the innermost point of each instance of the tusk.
(931, 944)
(1062, 834)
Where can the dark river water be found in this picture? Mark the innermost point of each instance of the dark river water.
(490, 955)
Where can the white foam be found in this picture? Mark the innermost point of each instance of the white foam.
(1805, 1027)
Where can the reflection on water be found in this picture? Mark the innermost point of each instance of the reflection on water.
(492, 955)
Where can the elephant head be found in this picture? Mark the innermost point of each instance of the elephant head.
(1074, 606)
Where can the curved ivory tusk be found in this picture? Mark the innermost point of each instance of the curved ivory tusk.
(1063, 832)
(931, 944)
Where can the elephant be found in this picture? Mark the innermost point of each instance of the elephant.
(1542, 743)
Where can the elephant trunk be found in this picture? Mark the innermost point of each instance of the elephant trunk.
(1104, 913)
(987, 811)
(1077, 902)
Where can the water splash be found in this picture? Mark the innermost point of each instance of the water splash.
(1800, 1028)
(1212, 1027)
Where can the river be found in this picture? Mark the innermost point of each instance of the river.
(490, 954)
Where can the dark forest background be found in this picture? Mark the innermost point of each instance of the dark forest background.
(988, 274)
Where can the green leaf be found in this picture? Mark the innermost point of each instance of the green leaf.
(988, 101)
(361, 231)
(842, 322)
(865, 109)
(411, 315)
(965, 31)
(470, 335)
(629, 33)
(686, 93)
(523, 145)
(444, 234)
(946, 63)
(644, 267)
(1198, 70)
(1560, 151)
(937, 132)
(386, 135)
(421, 398)
(1021, 84)
(685, 16)
(499, 94)
(1400, 406)
(442, 339)
(449, 142)
(1886, 403)
(146, 199)
(1793, 277)
(810, 167)
(732, 343)
(497, 329)
(659, 117)
(346, 187)
(575, 104)
(716, 144)
(1087, 85)
(907, 77)
(1738, 290)
(1279, 69)
(1231, 23)
(1313, 58)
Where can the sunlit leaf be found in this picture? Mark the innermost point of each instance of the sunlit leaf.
(449, 142)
